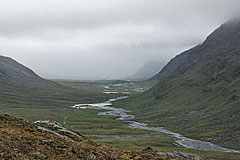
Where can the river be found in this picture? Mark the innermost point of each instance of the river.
(124, 115)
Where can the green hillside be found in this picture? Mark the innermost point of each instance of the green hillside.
(198, 93)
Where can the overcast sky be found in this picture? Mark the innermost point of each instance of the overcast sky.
(104, 39)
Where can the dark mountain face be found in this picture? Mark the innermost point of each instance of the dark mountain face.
(172, 66)
(217, 55)
(13, 73)
(198, 92)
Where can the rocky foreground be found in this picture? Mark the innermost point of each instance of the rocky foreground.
(24, 140)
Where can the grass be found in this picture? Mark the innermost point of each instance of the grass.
(54, 104)
(188, 108)
(164, 144)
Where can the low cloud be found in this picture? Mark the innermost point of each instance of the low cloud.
(105, 39)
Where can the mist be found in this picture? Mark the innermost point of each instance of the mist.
(107, 39)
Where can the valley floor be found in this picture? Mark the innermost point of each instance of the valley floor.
(104, 130)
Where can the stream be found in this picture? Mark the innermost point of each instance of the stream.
(125, 115)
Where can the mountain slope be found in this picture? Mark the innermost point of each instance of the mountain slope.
(172, 65)
(14, 73)
(147, 71)
(198, 93)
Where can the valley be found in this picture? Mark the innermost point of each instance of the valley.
(189, 110)
(125, 115)
(91, 122)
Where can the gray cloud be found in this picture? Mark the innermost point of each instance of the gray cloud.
(84, 39)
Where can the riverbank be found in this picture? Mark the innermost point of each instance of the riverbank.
(88, 122)
(123, 115)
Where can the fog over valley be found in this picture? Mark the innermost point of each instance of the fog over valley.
(120, 79)
(88, 40)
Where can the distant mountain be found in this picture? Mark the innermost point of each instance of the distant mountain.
(198, 93)
(14, 73)
(147, 71)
